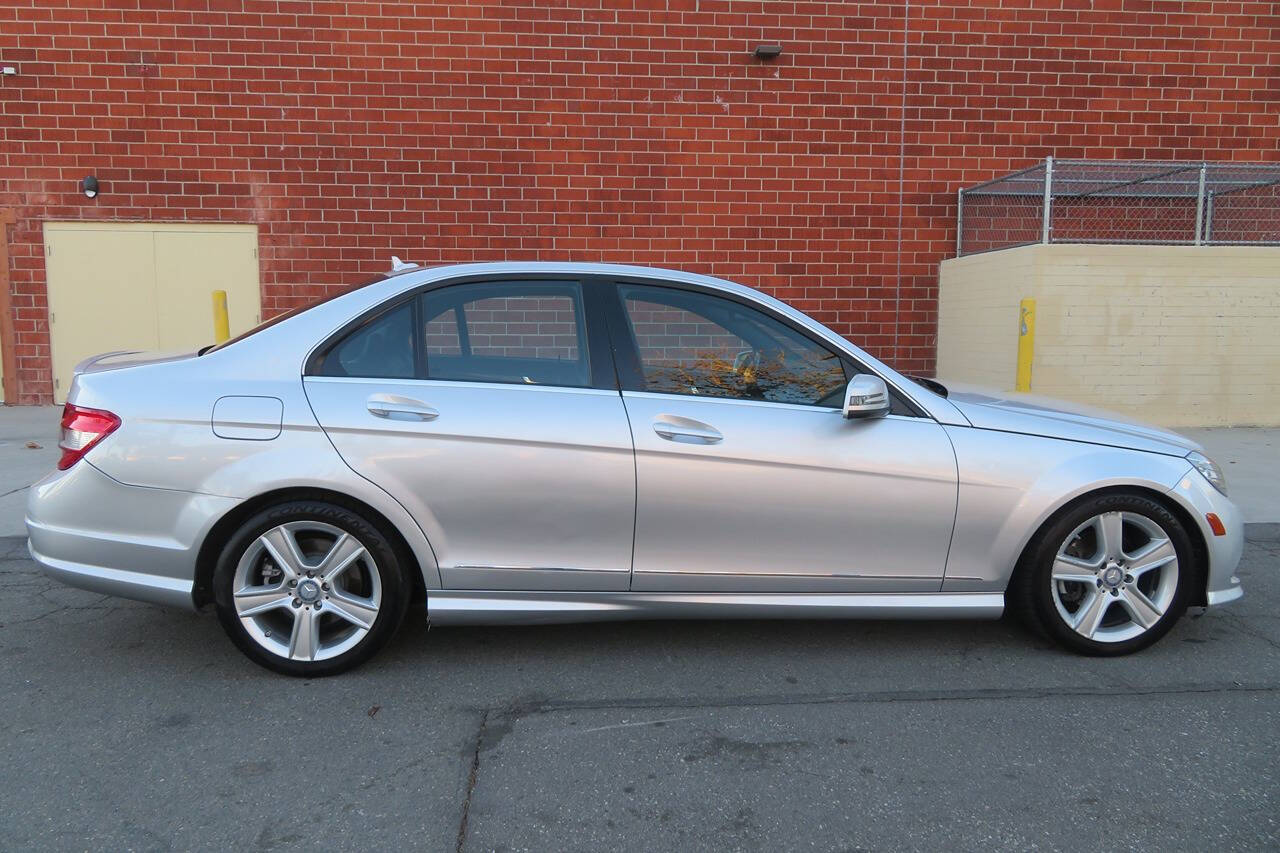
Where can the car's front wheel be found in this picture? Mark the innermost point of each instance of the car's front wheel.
(309, 588)
(1108, 577)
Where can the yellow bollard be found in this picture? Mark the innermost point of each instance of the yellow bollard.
(1026, 343)
(221, 323)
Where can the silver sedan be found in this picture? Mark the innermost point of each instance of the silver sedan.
(519, 443)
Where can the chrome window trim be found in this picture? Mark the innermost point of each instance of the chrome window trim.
(373, 296)
(763, 404)
(464, 383)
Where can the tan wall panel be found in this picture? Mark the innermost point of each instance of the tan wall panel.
(102, 292)
(140, 285)
(190, 265)
(1177, 335)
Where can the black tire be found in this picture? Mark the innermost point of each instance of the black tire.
(393, 587)
(1032, 593)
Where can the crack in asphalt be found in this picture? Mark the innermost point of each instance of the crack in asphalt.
(471, 781)
(1238, 622)
(507, 716)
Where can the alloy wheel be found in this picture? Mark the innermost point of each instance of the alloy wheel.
(1115, 576)
(307, 591)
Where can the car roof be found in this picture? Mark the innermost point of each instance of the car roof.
(581, 268)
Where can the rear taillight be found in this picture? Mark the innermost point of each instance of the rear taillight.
(81, 430)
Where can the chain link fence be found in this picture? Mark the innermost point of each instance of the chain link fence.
(1093, 201)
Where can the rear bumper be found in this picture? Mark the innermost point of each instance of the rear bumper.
(88, 530)
(118, 582)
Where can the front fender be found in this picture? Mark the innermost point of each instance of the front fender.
(1011, 483)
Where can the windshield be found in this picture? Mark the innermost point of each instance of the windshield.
(293, 312)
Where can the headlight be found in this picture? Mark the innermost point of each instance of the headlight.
(1209, 469)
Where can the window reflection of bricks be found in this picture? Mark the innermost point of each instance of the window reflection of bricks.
(511, 326)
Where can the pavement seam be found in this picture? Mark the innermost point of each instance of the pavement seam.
(881, 697)
(471, 781)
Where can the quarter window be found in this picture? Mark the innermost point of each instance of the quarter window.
(382, 348)
(692, 343)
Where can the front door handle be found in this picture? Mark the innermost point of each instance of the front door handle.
(686, 430)
(400, 408)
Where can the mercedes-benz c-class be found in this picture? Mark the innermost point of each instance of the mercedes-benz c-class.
(557, 442)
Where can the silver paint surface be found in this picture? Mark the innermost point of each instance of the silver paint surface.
(522, 495)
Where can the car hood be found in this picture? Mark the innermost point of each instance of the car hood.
(1035, 415)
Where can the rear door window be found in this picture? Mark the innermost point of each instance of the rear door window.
(523, 332)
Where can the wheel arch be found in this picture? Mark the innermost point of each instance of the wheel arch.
(1199, 594)
(225, 527)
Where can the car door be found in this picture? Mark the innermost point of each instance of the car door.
(748, 476)
(488, 410)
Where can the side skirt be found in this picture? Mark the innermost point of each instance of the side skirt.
(477, 607)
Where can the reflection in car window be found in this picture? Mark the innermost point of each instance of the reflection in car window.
(381, 348)
(692, 343)
(443, 335)
(529, 333)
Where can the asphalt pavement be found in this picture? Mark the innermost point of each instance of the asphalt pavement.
(126, 726)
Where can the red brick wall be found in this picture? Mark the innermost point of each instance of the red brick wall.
(599, 131)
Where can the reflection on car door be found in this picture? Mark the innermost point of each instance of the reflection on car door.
(484, 408)
(749, 478)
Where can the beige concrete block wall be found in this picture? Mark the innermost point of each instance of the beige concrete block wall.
(1173, 335)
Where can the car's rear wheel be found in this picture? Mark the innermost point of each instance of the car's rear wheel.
(1108, 577)
(309, 588)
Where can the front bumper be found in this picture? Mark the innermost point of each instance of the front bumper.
(88, 530)
(1200, 498)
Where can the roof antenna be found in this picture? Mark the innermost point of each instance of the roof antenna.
(398, 265)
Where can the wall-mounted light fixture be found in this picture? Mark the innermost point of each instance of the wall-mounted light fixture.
(765, 52)
(89, 186)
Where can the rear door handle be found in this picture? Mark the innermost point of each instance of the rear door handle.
(686, 430)
(400, 408)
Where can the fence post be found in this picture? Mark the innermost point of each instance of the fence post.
(959, 222)
(1047, 223)
(1200, 205)
(1208, 219)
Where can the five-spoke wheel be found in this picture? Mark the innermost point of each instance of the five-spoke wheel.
(308, 588)
(1108, 576)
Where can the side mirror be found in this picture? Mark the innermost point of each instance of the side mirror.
(866, 397)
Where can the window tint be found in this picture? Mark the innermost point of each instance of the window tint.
(692, 343)
(443, 336)
(381, 348)
(521, 332)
